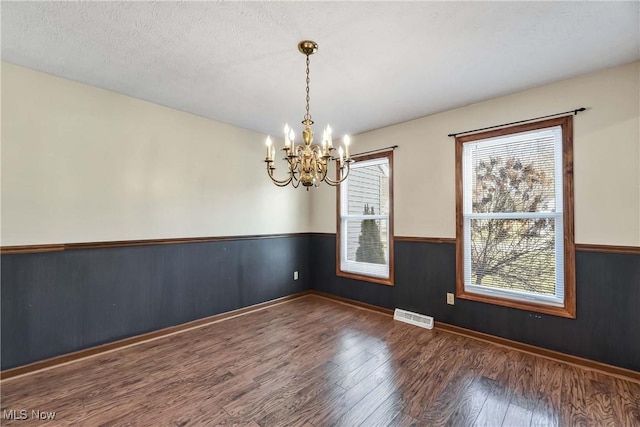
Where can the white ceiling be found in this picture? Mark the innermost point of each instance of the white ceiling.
(378, 63)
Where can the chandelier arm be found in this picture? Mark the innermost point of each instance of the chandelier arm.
(294, 178)
(332, 182)
(294, 159)
(341, 180)
(283, 184)
(293, 170)
(324, 170)
(279, 183)
(293, 163)
(317, 163)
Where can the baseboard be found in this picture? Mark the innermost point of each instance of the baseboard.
(352, 302)
(557, 356)
(139, 339)
(626, 374)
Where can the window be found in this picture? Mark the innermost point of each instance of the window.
(365, 220)
(514, 217)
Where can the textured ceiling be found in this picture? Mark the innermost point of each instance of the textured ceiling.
(378, 63)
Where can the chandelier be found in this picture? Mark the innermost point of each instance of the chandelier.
(309, 163)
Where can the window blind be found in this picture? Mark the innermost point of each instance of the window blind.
(513, 216)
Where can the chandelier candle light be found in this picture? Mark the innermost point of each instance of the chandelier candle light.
(308, 164)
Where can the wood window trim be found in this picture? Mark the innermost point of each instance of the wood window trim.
(568, 310)
(364, 278)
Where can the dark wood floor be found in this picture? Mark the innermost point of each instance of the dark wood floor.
(315, 362)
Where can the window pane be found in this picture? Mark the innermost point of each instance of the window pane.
(514, 254)
(515, 174)
(366, 241)
(366, 244)
(368, 188)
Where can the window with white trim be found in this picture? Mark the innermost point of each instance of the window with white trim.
(515, 217)
(365, 220)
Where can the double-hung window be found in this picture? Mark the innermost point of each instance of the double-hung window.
(514, 192)
(365, 220)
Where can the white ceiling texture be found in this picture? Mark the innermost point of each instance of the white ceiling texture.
(378, 63)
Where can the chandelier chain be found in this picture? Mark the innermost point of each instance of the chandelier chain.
(307, 116)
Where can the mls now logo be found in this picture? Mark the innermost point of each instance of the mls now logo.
(23, 414)
(14, 414)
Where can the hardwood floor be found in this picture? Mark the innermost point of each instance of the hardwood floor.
(314, 362)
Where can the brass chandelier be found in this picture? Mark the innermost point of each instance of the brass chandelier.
(309, 164)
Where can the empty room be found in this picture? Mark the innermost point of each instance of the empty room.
(320, 213)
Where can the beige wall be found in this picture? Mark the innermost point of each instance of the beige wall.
(83, 164)
(606, 157)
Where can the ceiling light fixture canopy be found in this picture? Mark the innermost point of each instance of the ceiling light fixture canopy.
(308, 164)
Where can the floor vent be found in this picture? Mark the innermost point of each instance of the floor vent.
(413, 318)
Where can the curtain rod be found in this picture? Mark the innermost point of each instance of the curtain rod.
(393, 147)
(575, 112)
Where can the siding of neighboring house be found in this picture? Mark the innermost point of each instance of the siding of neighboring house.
(368, 185)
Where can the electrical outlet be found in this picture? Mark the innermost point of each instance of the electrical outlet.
(450, 299)
(295, 275)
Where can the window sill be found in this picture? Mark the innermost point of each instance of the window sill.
(361, 277)
(567, 311)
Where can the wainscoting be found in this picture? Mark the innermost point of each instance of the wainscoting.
(608, 300)
(68, 298)
(59, 302)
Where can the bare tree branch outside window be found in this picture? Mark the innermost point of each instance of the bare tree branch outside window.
(513, 253)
